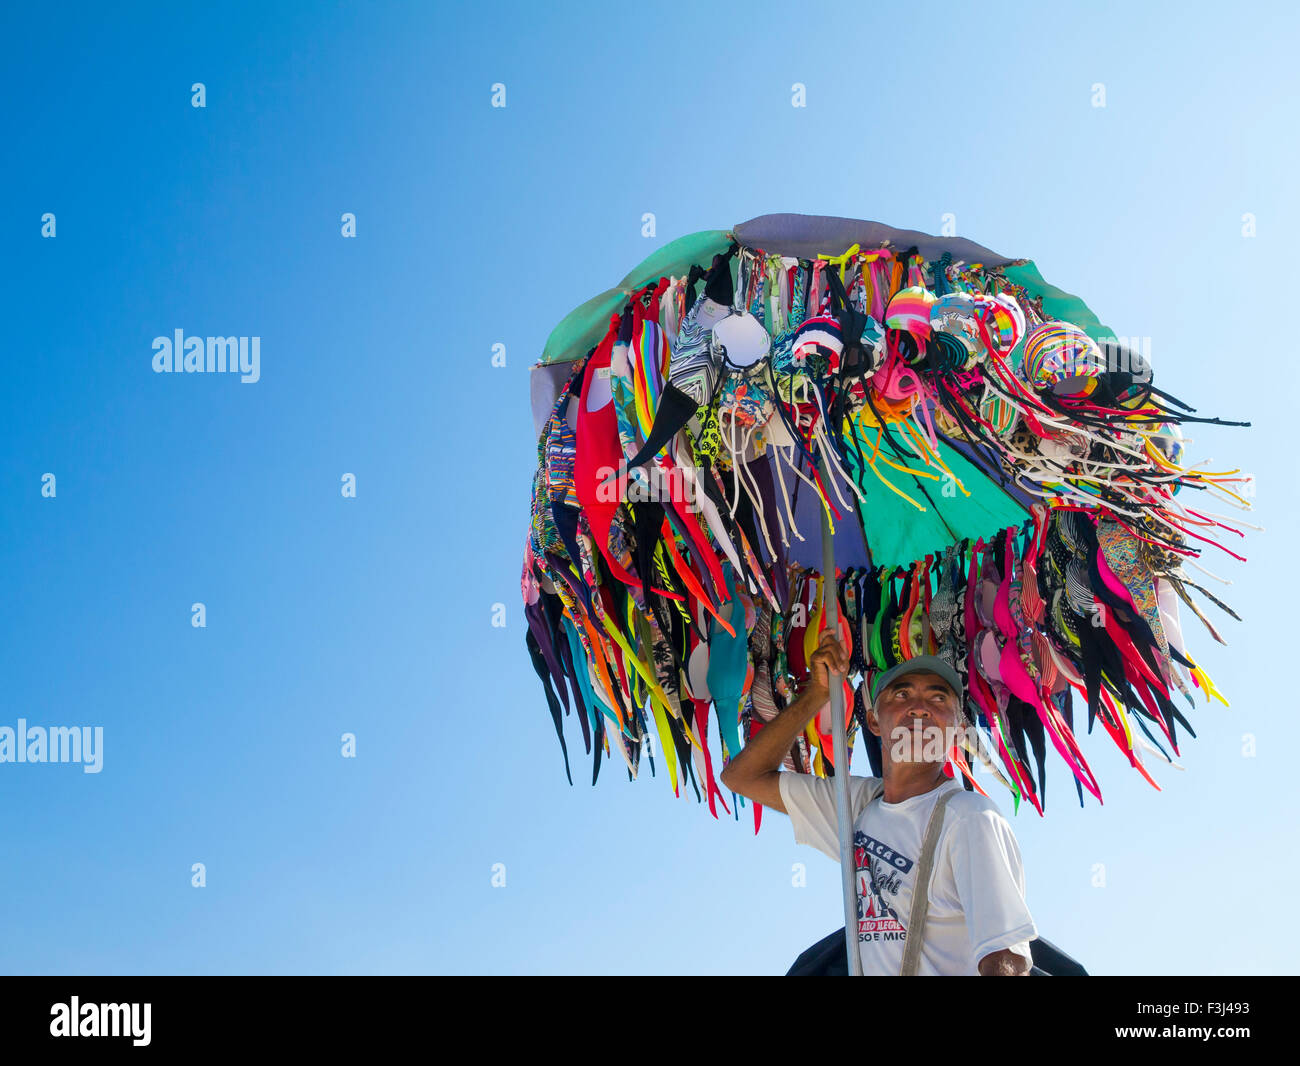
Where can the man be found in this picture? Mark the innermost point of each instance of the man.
(977, 921)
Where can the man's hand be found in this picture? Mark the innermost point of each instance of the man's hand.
(829, 656)
(755, 772)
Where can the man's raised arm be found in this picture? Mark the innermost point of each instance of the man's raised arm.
(754, 772)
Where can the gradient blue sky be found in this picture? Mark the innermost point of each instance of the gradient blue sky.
(373, 615)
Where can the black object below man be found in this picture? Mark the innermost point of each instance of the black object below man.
(973, 917)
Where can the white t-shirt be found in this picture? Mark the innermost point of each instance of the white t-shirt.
(977, 887)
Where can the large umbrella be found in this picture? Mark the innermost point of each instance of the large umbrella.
(907, 439)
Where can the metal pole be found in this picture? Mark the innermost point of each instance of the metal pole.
(844, 815)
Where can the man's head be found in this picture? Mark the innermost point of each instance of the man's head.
(917, 710)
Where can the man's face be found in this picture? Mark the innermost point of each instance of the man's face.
(915, 718)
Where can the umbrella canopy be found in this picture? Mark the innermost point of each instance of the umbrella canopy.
(898, 537)
(999, 474)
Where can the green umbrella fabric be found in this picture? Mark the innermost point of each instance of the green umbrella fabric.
(582, 327)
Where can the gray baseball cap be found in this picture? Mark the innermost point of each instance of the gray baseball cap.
(924, 664)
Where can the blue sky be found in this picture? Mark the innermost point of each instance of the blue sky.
(372, 615)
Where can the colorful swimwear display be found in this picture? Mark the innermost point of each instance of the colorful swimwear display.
(1015, 485)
